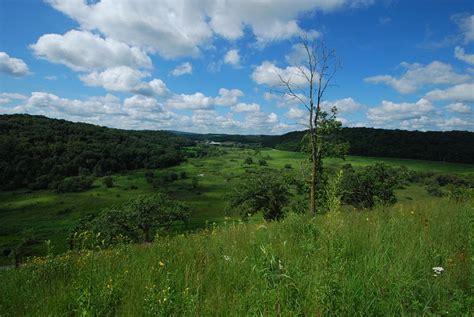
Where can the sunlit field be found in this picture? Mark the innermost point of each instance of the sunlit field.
(51, 216)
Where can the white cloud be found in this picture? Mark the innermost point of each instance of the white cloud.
(269, 74)
(12, 66)
(232, 57)
(390, 111)
(460, 54)
(342, 105)
(125, 79)
(296, 113)
(181, 28)
(455, 124)
(418, 75)
(184, 68)
(466, 25)
(197, 101)
(6, 97)
(459, 107)
(82, 51)
(228, 97)
(246, 107)
(462, 92)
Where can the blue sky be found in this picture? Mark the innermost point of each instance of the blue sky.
(211, 66)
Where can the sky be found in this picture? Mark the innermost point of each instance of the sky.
(213, 66)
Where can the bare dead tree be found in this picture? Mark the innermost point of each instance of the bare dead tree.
(313, 76)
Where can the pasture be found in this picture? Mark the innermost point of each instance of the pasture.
(50, 215)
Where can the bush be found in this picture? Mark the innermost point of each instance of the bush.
(174, 177)
(262, 162)
(108, 181)
(183, 175)
(149, 176)
(75, 184)
(248, 160)
(370, 185)
(288, 166)
(265, 191)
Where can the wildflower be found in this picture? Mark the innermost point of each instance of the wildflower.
(161, 264)
(412, 212)
(227, 258)
(438, 270)
(367, 219)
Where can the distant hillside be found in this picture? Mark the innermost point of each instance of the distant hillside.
(451, 146)
(35, 150)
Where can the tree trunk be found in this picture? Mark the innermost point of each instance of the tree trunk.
(146, 232)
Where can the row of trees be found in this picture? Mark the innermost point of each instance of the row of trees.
(36, 151)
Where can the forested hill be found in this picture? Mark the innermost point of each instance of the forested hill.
(451, 146)
(36, 151)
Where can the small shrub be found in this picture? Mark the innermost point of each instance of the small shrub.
(149, 176)
(108, 181)
(248, 160)
(288, 166)
(262, 162)
(74, 184)
(183, 175)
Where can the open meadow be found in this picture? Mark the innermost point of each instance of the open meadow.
(51, 216)
(354, 263)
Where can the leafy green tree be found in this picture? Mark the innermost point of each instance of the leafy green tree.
(147, 212)
(370, 185)
(264, 191)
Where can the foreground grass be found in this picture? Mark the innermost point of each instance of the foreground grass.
(352, 263)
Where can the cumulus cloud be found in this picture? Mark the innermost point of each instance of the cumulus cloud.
(199, 101)
(83, 50)
(296, 113)
(462, 92)
(228, 97)
(459, 107)
(269, 74)
(246, 107)
(342, 105)
(6, 97)
(196, 101)
(183, 69)
(466, 25)
(180, 28)
(460, 54)
(232, 57)
(12, 66)
(390, 111)
(125, 79)
(418, 75)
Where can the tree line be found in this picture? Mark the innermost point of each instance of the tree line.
(448, 146)
(39, 152)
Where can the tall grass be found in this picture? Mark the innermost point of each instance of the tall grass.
(349, 263)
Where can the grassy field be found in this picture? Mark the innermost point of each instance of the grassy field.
(51, 215)
(356, 263)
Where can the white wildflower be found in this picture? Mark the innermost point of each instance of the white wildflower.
(227, 258)
(438, 270)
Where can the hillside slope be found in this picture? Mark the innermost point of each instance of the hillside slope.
(377, 263)
(36, 150)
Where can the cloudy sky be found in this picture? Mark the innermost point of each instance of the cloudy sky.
(212, 65)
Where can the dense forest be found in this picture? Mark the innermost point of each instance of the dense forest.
(451, 146)
(37, 152)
